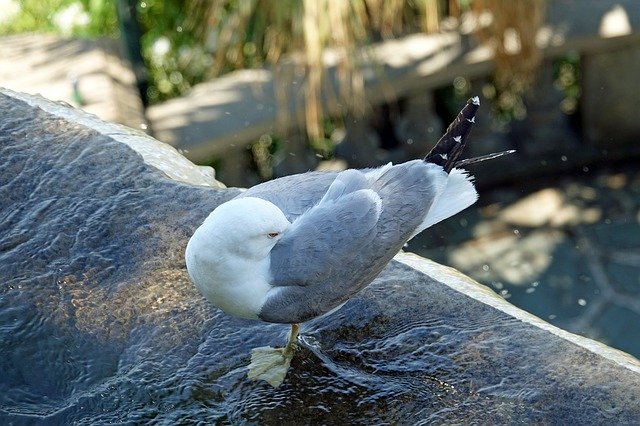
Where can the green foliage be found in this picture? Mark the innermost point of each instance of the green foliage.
(28, 15)
(174, 53)
(566, 72)
(78, 18)
(103, 21)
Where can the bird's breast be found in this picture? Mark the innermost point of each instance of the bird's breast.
(236, 286)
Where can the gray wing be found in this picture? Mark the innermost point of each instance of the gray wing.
(327, 235)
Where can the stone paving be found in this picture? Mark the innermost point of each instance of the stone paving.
(87, 74)
(566, 249)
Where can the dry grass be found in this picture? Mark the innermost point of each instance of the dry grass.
(251, 33)
(512, 32)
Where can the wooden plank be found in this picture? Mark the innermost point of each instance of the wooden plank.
(235, 110)
(238, 108)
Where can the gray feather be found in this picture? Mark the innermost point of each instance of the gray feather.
(293, 194)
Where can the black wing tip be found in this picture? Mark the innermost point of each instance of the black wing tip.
(448, 149)
(467, 161)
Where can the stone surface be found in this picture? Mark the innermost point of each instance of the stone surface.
(610, 95)
(101, 325)
(48, 65)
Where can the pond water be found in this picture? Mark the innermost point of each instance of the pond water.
(566, 249)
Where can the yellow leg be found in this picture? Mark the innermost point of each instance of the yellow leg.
(293, 338)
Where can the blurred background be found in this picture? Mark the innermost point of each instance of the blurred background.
(260, 89)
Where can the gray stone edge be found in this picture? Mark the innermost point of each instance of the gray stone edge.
(153, 152)
(465, 285)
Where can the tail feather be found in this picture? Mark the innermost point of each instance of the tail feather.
(452, 143)
(458, 194)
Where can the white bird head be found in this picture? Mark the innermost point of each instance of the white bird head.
(248, 227)
(228, 255)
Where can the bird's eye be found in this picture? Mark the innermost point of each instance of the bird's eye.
(273, 234)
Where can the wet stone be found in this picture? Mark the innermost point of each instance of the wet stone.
(100, 323)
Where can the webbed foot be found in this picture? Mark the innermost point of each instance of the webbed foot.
(271, 364)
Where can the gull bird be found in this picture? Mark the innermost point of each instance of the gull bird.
(298, 247)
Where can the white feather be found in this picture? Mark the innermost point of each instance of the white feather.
(458, 194)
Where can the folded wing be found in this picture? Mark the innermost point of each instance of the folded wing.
(328, 234)
(341, 244)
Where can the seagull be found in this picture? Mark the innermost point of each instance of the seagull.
(299, 247)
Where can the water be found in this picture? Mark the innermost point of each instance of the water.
(435, 359)
(566, 249)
